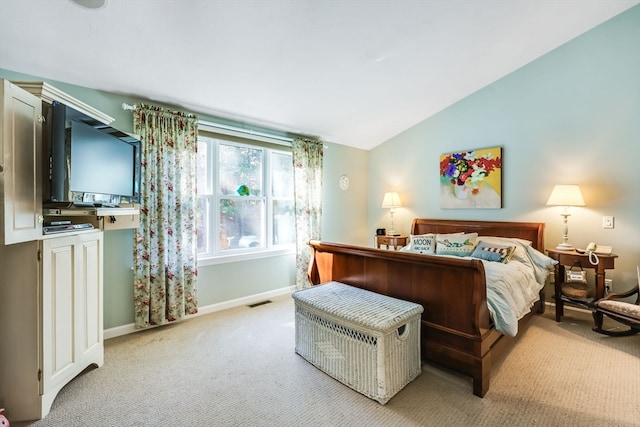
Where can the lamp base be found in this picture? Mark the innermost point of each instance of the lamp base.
(564, 247)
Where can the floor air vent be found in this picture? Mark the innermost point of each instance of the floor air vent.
(258, 304)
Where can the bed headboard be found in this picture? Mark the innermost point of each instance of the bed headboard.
(533, 231)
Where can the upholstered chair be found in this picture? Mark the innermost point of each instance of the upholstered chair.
(624, 312)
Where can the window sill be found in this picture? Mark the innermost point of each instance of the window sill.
(246, 256)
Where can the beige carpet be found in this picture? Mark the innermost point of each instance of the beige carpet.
(239, 368)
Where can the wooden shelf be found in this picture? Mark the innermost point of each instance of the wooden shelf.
(105, 219)
(571, 258)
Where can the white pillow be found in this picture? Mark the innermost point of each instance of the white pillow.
(456, 244)
(542, 264)
(505, 240)
(423, 243)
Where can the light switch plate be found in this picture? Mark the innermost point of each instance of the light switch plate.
(607, 222)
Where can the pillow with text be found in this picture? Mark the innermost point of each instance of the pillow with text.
(423, 243)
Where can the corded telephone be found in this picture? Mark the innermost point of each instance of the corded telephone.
(592, 249)
(599, 249)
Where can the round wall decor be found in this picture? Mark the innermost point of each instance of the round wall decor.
(344, 182)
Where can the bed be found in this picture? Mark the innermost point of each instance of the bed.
(458, 330)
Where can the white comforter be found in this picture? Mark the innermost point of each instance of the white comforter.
(511, 292)
(513, 288)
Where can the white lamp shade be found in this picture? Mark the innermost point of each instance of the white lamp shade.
(566, 195)
(391, 200)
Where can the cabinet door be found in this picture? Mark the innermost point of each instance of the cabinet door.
(89, 281)
(20, 165)
(58, 314)
(72, 322)
(20, 347)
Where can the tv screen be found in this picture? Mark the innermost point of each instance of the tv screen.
(100, 163)
(89, 161)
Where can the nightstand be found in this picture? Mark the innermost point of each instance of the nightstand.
(395, 241)
(570, 258)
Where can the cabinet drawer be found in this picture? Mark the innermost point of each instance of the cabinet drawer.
(119, 222)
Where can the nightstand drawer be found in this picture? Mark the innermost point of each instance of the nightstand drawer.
(388, 241)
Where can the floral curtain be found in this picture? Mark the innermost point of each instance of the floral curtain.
(307, 178)
(165, 273)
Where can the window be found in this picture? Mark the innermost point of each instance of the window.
(245, 197)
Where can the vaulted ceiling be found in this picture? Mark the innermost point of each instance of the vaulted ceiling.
(353, 72)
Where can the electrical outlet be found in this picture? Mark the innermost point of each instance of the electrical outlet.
(607, 222)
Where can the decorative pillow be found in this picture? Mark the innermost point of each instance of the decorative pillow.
(423, 243)
(504, 252)
(456, 244)
(486, 255)
(520, 252)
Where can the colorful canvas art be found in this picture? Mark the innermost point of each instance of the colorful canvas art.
(471, 179)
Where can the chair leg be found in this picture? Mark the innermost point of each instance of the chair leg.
(598, 318)
(624, 333)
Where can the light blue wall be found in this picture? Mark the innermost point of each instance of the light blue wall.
(572, 116)
(118, 278)
(344, 217)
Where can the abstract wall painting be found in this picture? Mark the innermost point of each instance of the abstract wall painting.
(471, 179)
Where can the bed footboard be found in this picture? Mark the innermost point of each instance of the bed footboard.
(456, 326)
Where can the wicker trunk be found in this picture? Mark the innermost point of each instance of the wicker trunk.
(367, 341)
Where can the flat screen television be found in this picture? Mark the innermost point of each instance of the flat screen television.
(90, 161)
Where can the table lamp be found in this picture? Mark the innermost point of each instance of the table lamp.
(391, 201)
(565, 195)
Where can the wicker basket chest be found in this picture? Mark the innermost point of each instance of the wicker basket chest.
(367, 341)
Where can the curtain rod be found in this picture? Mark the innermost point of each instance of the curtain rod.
(230, 129)
(243, 131)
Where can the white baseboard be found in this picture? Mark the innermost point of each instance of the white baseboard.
(251, 299)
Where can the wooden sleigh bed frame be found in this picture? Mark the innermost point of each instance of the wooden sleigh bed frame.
(457, 331)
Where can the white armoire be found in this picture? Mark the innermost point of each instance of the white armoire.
(51, 313)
